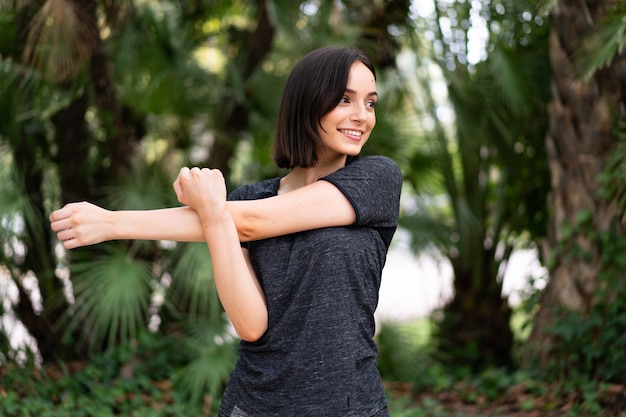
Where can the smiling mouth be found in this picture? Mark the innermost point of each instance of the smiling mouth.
(349, 132)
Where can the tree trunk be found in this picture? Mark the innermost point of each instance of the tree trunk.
(236, 119)
(581, 136)
(475, 330)
(122, 135)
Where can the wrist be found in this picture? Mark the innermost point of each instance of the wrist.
(115, 221)
(214, 218)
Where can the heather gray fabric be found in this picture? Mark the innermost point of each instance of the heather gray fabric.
(318, 357)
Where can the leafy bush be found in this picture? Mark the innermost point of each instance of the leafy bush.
(133, 381)
(591, 346)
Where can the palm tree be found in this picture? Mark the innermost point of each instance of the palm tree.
(585, 145)
(492, 168)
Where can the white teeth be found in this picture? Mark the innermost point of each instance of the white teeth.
(352, 132)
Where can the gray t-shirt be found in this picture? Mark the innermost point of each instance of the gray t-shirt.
(318, 356)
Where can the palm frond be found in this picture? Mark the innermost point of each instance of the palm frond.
(518, 76)
(613, 178)
(112, 297)
(602, 45)
(193, 288)
(16, 87)
(60, 42)
(149, 187)
(26, 97)
(168, 78)
(214, 354)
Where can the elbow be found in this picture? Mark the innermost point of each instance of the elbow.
(251, 334)
(250, 338)
(252, 328)
(247, 229)
(245, 234)
(247, 222)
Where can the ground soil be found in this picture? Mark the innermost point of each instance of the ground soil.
(517, 402)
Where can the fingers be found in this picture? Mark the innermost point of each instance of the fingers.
(61, 213)
(66, 235)
(66, 222)
(71, 244)
(184, 172)
(66, 217)
(187, 175)
(60, 224)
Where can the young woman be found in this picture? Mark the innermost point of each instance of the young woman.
(297, 260)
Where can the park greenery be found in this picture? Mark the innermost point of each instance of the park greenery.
(507, 118)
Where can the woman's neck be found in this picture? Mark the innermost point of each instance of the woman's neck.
(299, 177)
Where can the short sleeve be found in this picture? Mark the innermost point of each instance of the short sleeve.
(372, 184)
(255, 191)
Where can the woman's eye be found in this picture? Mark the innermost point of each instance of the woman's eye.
(344, 99)
(372, 104)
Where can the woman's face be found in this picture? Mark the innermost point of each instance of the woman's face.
(346, 128)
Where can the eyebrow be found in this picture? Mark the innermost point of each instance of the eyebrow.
(373, 93)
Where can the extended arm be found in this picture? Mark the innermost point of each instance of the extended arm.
(317, 205)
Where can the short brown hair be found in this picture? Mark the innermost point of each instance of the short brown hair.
(314, 87)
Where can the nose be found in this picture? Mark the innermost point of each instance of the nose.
(359, 112)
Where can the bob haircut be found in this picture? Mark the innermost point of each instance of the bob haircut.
(315, 87)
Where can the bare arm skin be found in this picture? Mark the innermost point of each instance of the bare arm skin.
(316, 205)
(236, 282)
(83, 224)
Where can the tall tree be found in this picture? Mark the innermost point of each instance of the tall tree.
(587, 228)
(491, 163)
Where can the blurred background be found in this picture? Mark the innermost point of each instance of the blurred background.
(504, 286)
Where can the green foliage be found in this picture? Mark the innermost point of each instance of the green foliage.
(212, 357)
(134, 380)
(167, 80)
(397, 352)
(434, 389)
(613, 179)
(603, 44)
(113, 293)
(587, 349)
(489, 159)
(590, 346)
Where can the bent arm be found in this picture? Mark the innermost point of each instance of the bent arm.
(317, 205)
(314, 206)
(237, 285)
(235, 279)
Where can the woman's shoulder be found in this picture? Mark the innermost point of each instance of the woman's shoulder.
(377, 164)
(257, 190)
(379, 159)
